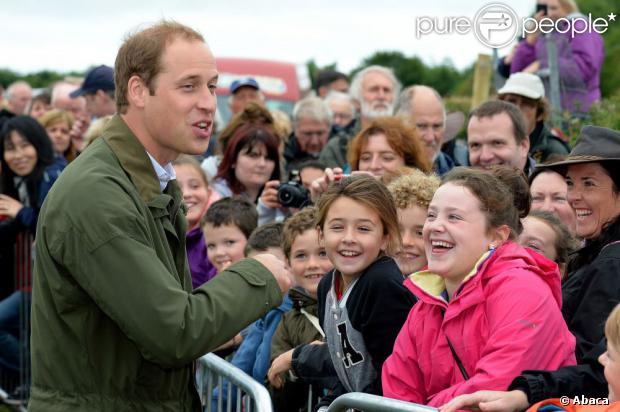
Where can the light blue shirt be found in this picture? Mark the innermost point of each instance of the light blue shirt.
(164, 173)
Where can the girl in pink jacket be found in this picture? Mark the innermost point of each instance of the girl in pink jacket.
(488, 308)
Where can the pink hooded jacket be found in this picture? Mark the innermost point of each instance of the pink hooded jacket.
(504, 319)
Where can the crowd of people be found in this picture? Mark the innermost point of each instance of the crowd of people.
(351, 246)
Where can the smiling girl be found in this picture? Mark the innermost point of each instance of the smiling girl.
(362, 302)
(487, 309)
(197, 197)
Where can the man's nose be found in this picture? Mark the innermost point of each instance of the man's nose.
(486, 153)
(207, 101)
(547, 205)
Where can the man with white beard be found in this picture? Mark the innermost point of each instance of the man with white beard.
(374, 89)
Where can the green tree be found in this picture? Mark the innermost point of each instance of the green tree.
(610, 81)
(314, 70)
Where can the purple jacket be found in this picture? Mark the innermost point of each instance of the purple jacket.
(579, 60)
(199, 265)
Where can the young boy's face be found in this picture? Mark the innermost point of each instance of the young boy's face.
(412, 257)
(611, 361)
(225, 245)
(308, 261)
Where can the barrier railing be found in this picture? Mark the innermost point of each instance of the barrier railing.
(373, 403)
(250, 395)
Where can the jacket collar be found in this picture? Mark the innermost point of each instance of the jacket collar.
(434, 285)
(133, 158)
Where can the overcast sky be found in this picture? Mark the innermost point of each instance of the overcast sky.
(66, 35)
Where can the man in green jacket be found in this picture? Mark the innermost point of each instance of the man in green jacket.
(115, 323)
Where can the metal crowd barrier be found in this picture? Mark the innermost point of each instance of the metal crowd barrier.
(17, 383)
(251, 395)
(373, 403)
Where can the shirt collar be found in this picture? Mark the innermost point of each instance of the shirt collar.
(164, 173)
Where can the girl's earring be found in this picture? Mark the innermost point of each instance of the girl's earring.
(491, 247)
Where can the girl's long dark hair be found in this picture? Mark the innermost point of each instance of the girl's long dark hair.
(30, 130)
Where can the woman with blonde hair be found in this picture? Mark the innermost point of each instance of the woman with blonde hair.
(58, 124)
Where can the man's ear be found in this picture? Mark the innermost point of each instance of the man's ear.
(137, 91)
(525, 144)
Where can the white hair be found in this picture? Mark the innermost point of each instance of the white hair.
(61, 90)
(406, 97)
(312, 108)
(14, 85)
(356, 84)
(336, 96)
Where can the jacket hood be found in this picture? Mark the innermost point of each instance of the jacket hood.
(511, 256)
(301, 298)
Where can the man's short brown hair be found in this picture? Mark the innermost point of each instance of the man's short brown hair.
(141, 53)
(495, 107)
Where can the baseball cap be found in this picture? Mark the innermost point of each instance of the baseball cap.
(524, 84)
(99, 78)
(246, 82)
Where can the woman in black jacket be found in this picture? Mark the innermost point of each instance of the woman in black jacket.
(28, 172)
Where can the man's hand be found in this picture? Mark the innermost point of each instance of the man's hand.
(9, 206)
(280, 365)
(488, 401)
(278, 269)
(269, 197)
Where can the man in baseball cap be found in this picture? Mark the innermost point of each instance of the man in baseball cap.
(526, 91)
(98, 90)
(243, 91)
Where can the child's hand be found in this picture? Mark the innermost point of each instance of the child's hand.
(319, 186)
(488, 401)
(280, 365)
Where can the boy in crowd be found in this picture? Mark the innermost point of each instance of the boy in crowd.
(308, 263)
(227, 225)
(253, 354)
(266, 239)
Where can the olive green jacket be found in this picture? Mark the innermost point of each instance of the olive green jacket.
(115, 324)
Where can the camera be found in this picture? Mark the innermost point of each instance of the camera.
(293, 194)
